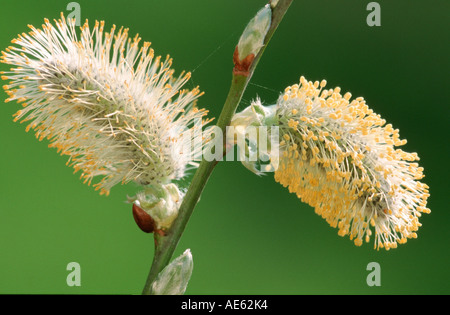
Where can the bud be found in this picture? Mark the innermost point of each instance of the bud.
(252, 39)
(255, 115)
(160, 202)
(143, 219)
(174, 279)
(256, 135)
(273, 3)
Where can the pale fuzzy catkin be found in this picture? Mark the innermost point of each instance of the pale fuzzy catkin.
(107, 102)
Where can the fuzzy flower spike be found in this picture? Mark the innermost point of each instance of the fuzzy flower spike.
(338, 156)
(105, 101)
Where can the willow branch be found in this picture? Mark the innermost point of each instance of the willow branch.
(167, 244)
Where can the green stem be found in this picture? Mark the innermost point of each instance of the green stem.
(167, 244)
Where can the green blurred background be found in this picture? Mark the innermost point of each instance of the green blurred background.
(248, 234)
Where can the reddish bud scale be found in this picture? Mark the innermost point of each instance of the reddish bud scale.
(242, 67)
(143, 219)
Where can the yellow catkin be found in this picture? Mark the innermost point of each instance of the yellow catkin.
(348, 173)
